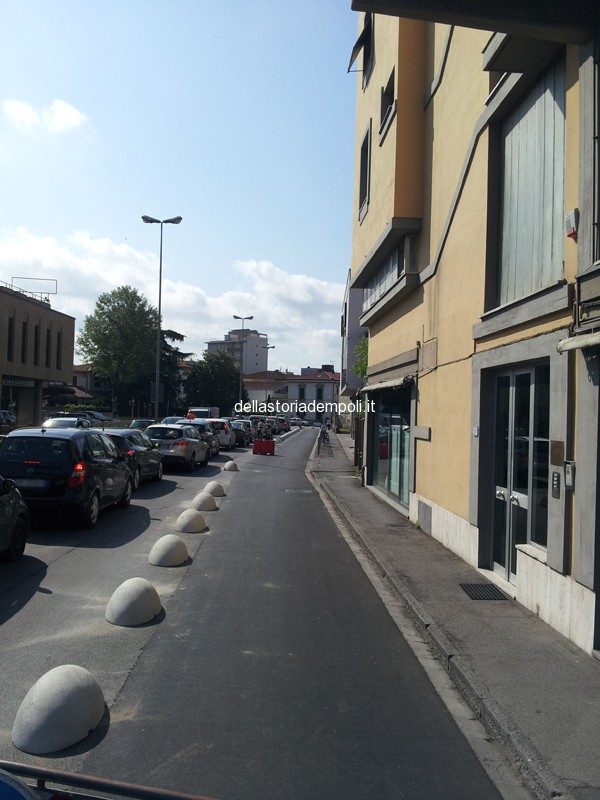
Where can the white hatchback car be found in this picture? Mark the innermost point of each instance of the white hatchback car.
(224, 431)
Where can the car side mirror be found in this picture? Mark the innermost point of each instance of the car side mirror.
(8, 485)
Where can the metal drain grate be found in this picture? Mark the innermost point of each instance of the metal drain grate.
(394, 525)
(483, 591)
(298, 491)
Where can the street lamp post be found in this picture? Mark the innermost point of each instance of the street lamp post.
(161, 222)
(235, 316)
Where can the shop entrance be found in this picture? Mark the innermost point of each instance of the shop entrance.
(391, 443)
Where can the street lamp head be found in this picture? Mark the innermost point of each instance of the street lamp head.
(173, 220)
(235, 316)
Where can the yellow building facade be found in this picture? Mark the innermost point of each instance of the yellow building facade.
(470, 234)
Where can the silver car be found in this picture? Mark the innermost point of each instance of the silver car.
(179, 444)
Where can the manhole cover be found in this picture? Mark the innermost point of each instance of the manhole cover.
(298, 491)
(394, 525)
(483, 591)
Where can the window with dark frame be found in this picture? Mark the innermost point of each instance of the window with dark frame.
(365, 174)
(36, 345)
(24, 337)
(388, 103)
(10, 339)
(59, 350)
(368, 48)
(48, 347)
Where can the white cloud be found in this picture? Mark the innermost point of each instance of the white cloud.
(20, 115)
(62, 116)
(299, 313)
(58, 117)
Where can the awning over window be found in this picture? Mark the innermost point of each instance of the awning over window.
(392, 383)
(360, 43)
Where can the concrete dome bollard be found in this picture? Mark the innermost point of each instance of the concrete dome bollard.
(215, 488)
(231, 466)
(169, 551)
(134, 602)
(191, 521)
(204, 502)
(59, 710)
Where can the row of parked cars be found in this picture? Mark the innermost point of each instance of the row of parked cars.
(72, 467)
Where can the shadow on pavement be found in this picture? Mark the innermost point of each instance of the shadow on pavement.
(154, 489)
(116, 527)
(19, 582)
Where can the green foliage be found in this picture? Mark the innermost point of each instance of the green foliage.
(214, 381)
(361, 354)
(118, 341)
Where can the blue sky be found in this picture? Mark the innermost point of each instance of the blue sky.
(238, 116)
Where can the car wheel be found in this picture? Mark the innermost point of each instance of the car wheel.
(205, 462)
(126, 496)
(90, 516)
(136, 479)
(16, 548)
(192, 464)
(159, 472)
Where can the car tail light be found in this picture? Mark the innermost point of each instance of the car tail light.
(225, 427)
(78, 475)
(181, 443)
(130, 452)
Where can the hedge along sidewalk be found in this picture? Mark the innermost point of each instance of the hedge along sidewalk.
(535, 691)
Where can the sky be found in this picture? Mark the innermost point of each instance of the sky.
(237, 115)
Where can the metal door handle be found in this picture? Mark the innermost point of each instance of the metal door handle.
(514, 498)
(501, 495)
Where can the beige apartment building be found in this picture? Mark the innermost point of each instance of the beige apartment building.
(475, 245)
(36, 350)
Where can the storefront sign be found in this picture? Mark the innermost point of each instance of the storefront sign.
(13, 380)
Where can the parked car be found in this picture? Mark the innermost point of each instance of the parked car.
(141, 424)
(67, 422)
(14, 520)
(206, 433)
(296, 421)
(11, 416)
(205, 412)
(243, 436)
(171, 420)
(66, 470)
(284, 424)
(179, 444)
(7, 422)
(142, 457)
(224, 431)
(80, 414)
(99, 416)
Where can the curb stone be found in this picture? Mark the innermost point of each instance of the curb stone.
(539, 777)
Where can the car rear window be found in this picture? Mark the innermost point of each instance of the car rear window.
(163, 433)
(218, 426)
(35, 450)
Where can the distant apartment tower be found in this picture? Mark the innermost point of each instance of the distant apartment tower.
(255, 352)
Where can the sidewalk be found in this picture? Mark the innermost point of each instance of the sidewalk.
(536, 691)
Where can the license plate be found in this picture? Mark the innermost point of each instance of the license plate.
(31, 483)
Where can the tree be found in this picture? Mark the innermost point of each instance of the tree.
(361, 354)
(118, 341)
(214, 380)
(169, 365)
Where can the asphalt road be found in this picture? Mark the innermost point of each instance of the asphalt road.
(275, 672)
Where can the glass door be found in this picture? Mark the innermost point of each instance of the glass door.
(514, 412)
